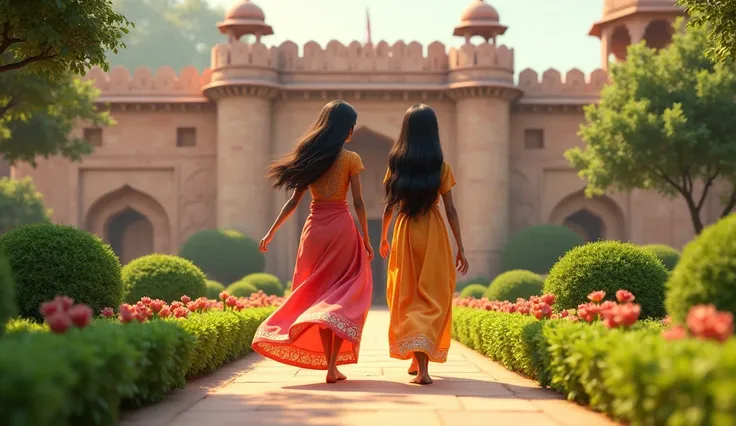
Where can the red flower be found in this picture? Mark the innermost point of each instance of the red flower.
(176, 304)
(192, 306)
(239, 305)
(186, 299)
(59, 322)
(165, 312)
(597, 296)
(607, 305)
(181, 312)
(156, 305)
(80, 315)
(549, 299)
(231, 301)
(705, 322)
(541, 311)
(621, 315)
(143, 314)
(127, 313)
(107, 312)
(50, 308)
(146, 300)
(624, 296)
(224, 295)
(564, 314)
(675, 333)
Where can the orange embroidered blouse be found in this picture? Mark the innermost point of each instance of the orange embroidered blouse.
(335, 183)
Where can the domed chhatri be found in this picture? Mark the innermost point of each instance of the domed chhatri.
(480, 19)
(245, 18)
(615, 10)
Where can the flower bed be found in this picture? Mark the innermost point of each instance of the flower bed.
(74, 370)
(638, 372)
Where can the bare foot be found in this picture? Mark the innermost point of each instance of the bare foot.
(340, 376)
(332, 376)
(423, 380)
(413, 368)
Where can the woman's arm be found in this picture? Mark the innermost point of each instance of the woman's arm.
(388, 214)
(452, 217)
(359, 205)
(291, 204)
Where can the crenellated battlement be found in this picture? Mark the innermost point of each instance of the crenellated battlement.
(552, 84)
(144, 82)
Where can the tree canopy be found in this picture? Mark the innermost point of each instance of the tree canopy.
(38, 114)
(55, 37)
(720, 18)
(175, 34)
(665, 122)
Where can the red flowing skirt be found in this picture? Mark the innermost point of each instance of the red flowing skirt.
(332, 288)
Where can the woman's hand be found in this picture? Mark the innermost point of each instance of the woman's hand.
(384, 249)
(461, 262)
(263, 245)
(368, 249)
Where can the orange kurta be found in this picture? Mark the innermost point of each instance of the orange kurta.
(421, 282)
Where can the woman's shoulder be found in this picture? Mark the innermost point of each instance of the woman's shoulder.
(350, 154)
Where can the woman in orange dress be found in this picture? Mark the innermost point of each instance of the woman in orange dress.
(421, 271)
(319, 326)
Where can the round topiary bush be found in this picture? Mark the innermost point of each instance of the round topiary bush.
(241, 289)
(162, 276)
(269, 284)
(668, 255)
(224, 255)
(706, 273)
(475, 291)
(8, 309)
(609, 266)
(50, 260)
(213, 289)
(20, 204)
(512, 285)
(480, 279)
(538, 248)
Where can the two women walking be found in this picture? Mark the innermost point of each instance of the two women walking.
(320, 324)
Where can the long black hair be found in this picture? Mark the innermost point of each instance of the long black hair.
(317, 150)
(415, 163)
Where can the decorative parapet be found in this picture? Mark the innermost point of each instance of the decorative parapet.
(164, 85)
(575, 89)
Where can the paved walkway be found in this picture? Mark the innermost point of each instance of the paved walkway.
(468, 390)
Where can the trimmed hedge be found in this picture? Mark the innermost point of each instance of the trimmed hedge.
(224, 255)
(162, 276)
(241, 289)
(8, 309)
(214, 289)
(48, 260)
(476, 291)
(86, 375)
(269, 284)
(706, 273)
(480, 279)
(636, 376)
(538, 248)
(512, 285)
(668, 255)
(609, 266)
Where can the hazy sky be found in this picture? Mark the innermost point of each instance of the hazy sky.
(543, 33)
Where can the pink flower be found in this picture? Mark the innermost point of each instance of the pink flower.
(176, 304)
(607, 305)
(549, 299)
(80, 315)
(675, 333)
(564, 314)
(621, 315)
(597, 296)
(165, 312)
(146, 300)
(107, 313)
(624, 296)
(192, 306)
(224, 295)
(542, 310)
(58, 304)
(705, 322)
(127, 313)
(181, 312)
(186, 299)
(143, 313)
(59, 322)
(231, 301)
(156, 305)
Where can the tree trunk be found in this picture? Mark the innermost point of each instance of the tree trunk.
(694, 214)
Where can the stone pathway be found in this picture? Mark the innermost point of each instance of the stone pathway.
(468, 390)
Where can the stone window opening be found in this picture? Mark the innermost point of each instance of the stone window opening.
(93, 136)
(534, 139)
(186, 137)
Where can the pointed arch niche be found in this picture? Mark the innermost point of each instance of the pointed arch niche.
(132, 222)
(598, 218)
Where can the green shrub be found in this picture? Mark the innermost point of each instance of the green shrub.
(162, 276)
(269, 284)
(20, 204)
(241, 289)
(668, 255)
(512, 285)
(85, 376)
(8, 309)
(23, 325)
(706, 273)
(480, 279)
(538, 248)
(475, 291)
(50, 260)
(609, 266)
(224, 255)
(213, 289)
